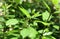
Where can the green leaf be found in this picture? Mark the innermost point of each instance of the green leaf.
(35, 23)
(55, 2)
(14, 38)
(47, 33)
(24, 33)
(33, 11)
(46, 30)
(27, 32)
(32, 32)
(40, 31)
(46, 5)
(56, 27)
(2, 19)
(45, 15)
(45, 23)
(56, 12)
(48, 37)
(9, 6)
(17, 35)
(36, 15)
(12, 22)
(1, 26)
(49, 19)
(25, 12)
(12, 32)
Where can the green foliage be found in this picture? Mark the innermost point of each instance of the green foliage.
(1, 27)
(48, 37)
(36, 15)
(45, 16)
(56, 27)
(30, 32)
(25, 12)
(12, 22)
(29, 19)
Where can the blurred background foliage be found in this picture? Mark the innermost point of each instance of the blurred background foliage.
(29, 19)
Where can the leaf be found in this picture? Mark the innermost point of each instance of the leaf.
(46, 5)
(56, 27)
(12, 22)
(2, 19)
(45, 23)
(48, 37)
(25, 12)
(1, 26)
(33, 11)
(55, 2)
(50, 17)
(45, 15)
(36, 15)
(14, 38)
(47, 33)
(24, 33)
(1, 3)
(56, 12)
(35, 23)
(12, 32)
(46, 30)
(17, 35)
(27, 32)
(40, 31)
(9, 6)
(32, 32)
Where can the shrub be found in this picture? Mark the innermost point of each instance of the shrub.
(29, 19)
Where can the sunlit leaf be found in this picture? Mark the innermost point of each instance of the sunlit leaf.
(33, 11)
(40, 31)
(55, 2)
(45, 23)
(47, 33)
(45, 15)
(24, 33)
(14, 38)
(56, 27)
(48, 37)
(56, 12)
(46, 30)
(32, 32)
(27, 32)
(25, 12)
(50, 17)
(11, 22)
